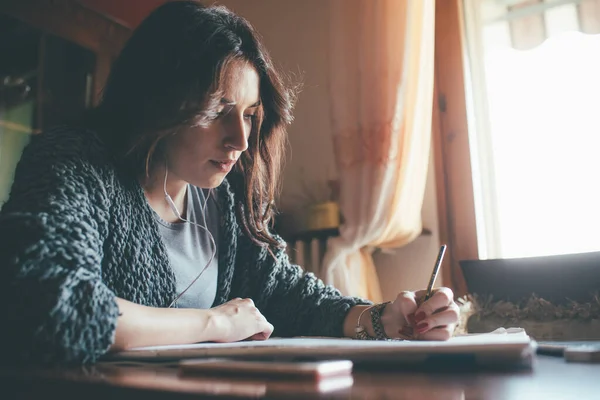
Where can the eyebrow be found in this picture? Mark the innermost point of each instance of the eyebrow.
(233, 103)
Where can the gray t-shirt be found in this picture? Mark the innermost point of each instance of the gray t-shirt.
(189, 248)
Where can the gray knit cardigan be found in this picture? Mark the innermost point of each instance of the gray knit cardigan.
(76, 232)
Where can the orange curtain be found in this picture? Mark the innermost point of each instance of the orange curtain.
(381, 93)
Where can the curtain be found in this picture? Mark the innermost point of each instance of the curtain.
(381, 93)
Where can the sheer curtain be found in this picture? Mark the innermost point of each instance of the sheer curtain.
(381, 93)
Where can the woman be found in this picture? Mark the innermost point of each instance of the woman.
(148, 223)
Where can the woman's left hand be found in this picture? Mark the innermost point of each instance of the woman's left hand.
(408, 317)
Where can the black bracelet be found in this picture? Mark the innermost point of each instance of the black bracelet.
(376, 321)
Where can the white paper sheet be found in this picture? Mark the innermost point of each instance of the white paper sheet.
(486, 339)
(503, 344)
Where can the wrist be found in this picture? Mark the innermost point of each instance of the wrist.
(366, 321)
(350, 322)
(376, 319)
(369, 324)
(387, 320)
(207, 325)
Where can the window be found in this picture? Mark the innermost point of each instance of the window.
(534, 103)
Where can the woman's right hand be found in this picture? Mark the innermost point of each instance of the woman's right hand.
(238, 319)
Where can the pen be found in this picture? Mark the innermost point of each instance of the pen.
(434, 274)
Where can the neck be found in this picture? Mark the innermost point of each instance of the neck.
(154, 189)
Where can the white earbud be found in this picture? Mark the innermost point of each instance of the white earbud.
(172, 205)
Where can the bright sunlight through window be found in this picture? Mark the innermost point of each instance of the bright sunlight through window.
(545, 128)
(539, 170)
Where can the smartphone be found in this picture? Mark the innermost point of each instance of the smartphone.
(583, 353)
(291, 369)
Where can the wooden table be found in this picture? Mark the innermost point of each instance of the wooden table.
(551, 378)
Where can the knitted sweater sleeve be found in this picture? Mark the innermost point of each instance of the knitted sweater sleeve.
(295, 302)
(55, 305)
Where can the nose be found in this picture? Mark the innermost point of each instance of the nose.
(237, 133)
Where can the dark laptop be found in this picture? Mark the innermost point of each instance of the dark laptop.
(557, 278)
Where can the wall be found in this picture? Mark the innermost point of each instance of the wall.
(296, 34)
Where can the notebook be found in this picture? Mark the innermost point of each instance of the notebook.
(501, 348)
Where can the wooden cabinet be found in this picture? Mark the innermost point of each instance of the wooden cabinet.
(55, 56)
(70, 37)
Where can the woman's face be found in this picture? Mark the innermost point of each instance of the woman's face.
(202, 156)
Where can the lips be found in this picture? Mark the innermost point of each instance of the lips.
(224, 165)
(227, 162)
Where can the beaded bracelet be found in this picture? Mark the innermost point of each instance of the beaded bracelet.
(376, 321)
(376, 311)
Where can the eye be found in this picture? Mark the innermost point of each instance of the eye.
(250, 117)
(221, 112)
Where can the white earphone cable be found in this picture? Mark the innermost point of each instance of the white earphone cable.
(178, 215)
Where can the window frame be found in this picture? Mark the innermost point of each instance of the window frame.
(454, 179)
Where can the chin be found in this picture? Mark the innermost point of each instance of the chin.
(215, 181)
(208, 181)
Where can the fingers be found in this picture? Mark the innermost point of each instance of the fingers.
(268, 331)
(443, 318)
(441, 333)
(395, 317)
(241, 305)
(437, 315)
(265, 334)
(240, 319)
(246, 301)
(442, 298)
(406, 304)
(263, 327)
(258, 336)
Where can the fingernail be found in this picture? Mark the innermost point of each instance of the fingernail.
(420, 316)
(422, 327)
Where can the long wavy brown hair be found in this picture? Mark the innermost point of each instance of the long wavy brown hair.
(169, 74)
